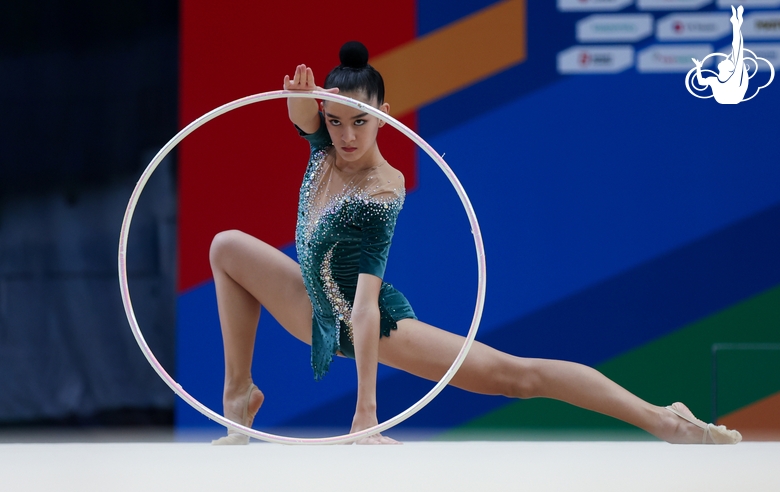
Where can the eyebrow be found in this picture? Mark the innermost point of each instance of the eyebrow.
(361, 115)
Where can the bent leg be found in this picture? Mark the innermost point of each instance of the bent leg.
(248, 274)
(427, 351)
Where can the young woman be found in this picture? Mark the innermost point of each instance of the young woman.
(336, 301)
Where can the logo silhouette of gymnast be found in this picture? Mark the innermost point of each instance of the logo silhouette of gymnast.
(730, 84)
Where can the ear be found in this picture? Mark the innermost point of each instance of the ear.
(385, 108)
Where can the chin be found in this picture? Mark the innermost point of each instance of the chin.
(350, 157)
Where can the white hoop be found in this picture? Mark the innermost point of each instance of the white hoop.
(176, 387)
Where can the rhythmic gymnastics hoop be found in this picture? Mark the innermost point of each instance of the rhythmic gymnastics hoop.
(176, 387)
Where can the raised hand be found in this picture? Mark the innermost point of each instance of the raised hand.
(303, 80)
(697, 62)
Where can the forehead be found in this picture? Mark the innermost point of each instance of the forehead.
(342, 110)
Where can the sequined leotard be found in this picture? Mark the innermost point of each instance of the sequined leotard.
(340, 234)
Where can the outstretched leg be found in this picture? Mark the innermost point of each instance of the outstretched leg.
(248, 274)
(428, 352)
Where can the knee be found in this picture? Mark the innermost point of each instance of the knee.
(222, 245)
(528, 382)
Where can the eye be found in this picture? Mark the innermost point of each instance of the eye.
(335, 122)
(360, 122)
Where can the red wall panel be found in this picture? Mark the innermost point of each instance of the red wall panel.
(243, 169)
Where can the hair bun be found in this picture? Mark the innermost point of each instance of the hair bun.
(353, 55)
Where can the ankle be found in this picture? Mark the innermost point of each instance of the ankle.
(236, 387)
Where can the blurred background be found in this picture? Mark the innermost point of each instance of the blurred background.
(628, 225)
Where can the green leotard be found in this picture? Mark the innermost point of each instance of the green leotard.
(340, 234)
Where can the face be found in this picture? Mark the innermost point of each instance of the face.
(352, 131)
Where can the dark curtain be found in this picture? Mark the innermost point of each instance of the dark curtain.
(88, 93)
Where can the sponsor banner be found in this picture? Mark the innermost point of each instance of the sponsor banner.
(749, 4)
(592, 5)
(660, 58)
(614, 28)
(596, 59)
(707, 26)
(761, 25)
(769, 51)
(672, 4)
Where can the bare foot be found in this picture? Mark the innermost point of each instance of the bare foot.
(242, 410)
(687, 429)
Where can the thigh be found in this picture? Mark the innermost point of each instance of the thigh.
(268, 275)
(427, 351)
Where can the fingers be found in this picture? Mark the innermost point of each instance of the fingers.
(309, 79)
(298, 81)
(303, 80)
(376, 439)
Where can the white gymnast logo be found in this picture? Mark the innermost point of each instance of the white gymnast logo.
(730, 84)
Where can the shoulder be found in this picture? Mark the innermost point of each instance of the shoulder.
(386, 183)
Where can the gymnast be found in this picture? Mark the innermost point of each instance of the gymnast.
(731, 84)
(336, 301)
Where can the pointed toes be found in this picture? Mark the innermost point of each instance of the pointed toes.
(719, 434)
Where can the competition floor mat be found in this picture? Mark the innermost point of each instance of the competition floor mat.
(414, 466)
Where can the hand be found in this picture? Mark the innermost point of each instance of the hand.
(697, 62)
(366, 420)
(376, 439)
(303, 80)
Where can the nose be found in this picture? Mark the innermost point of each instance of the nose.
(348, 135)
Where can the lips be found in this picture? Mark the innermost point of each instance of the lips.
(349, 149)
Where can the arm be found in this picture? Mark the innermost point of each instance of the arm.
(365, 333)
(701, 80)
(304, 112)
(377, 225)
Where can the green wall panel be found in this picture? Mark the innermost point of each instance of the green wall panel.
(676, 367)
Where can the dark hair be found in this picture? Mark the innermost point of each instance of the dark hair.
(355, 74)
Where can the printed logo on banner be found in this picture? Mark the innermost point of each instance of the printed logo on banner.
(762, 25)
(730, 84)
(672, 4)
(614, 28)
(708, 26)
(660, 58)
(751, 4)
(596, 59)
(592, 5)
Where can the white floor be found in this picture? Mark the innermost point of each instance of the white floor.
(415, 466)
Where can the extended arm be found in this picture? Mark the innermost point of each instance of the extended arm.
(303, 112)
(365, 333)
